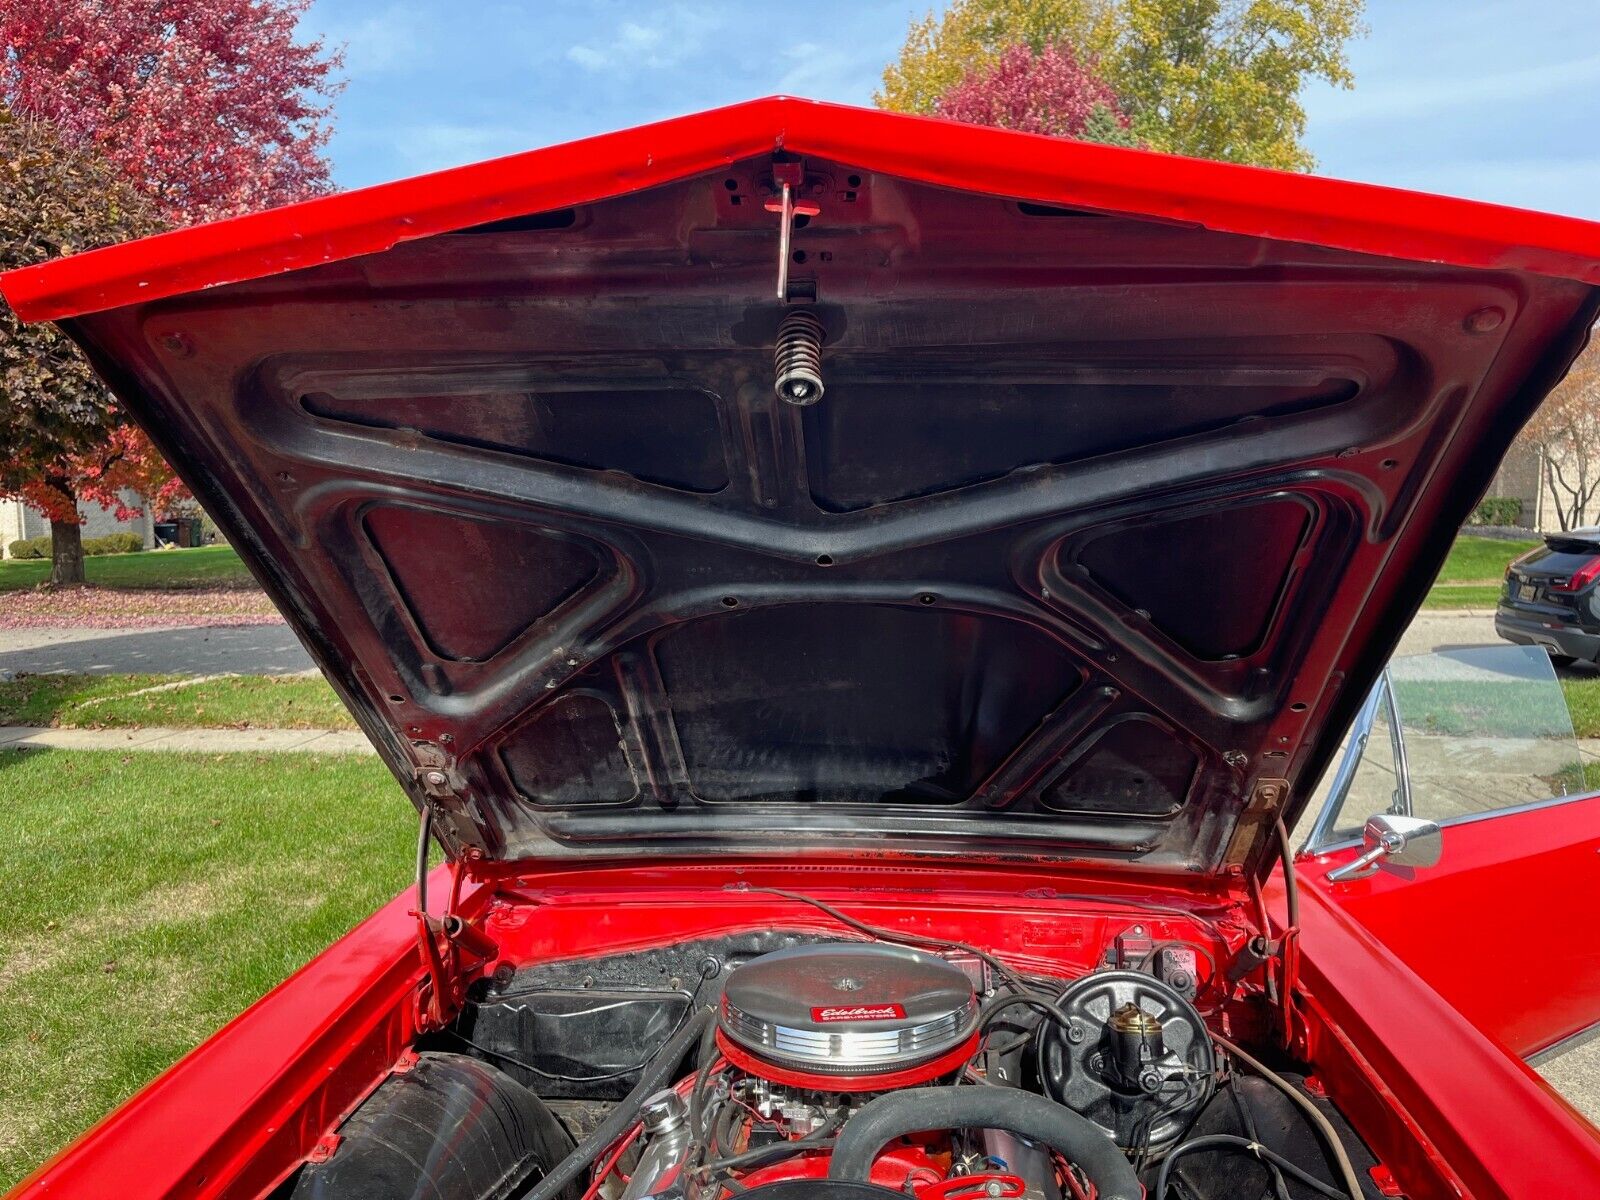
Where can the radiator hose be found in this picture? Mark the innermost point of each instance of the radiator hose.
(920, 1110)
(622, 1118)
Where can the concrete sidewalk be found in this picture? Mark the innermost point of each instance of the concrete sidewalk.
(188, 741)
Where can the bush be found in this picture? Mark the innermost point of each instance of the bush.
(38, 547)
(1497, 510)
(112, 543)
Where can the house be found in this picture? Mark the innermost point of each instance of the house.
(18, 521)
(1524, 476)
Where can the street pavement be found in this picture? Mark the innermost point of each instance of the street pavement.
(1433, 630)
(204, 650)
(274, 650)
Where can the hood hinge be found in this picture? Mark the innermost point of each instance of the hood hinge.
(1266, 802)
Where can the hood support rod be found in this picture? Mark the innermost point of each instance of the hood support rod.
(788, 178)
(448, 945)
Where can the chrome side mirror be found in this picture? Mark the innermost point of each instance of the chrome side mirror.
(1403, 841)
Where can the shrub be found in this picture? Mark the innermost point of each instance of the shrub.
(38, 547)
(1497, 510)
(113, 543)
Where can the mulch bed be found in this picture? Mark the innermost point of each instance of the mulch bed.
(129, 608)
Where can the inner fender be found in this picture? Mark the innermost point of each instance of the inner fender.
(451, 1126)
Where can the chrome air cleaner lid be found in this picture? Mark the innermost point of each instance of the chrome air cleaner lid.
(849, 1009)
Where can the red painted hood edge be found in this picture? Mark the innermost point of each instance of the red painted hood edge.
(1225, 197)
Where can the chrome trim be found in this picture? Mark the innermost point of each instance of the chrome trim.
(1403, 841)
(1487, 814)
(850, 1051)
(1397, 740)
(1360, 731)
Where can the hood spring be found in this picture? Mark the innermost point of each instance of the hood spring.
(797, 359)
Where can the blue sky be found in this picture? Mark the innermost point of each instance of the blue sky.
(1484, 98)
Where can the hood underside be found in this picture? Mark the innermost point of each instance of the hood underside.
(1104, 524)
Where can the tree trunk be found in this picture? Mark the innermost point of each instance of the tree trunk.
(66, 553)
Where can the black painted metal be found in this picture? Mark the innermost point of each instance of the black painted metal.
(1098, 523)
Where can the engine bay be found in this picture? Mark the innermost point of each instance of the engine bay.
(862, 1062)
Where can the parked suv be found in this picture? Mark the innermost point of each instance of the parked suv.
(1551, 597)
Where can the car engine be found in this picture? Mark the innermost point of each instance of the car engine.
(830, 1058)
(787, 1066)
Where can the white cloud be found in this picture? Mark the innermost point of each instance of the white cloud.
(393, 39)
(672, 36)
(830, 73)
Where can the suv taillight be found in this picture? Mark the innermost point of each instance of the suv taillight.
(1580, 579)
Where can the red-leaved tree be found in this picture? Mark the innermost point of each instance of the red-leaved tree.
(124, 462)
(209, 107)
(1048, 91)
(203, 110)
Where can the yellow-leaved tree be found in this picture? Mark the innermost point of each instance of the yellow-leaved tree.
(1209, 78)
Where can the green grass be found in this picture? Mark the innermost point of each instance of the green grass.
(107, 702)
(152, 897)
(1474, 572)
(201, 567)
(1481, 559)
(1468, 708)
(1457, 595)
(1583, 702)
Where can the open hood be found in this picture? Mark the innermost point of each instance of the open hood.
(1127, 473)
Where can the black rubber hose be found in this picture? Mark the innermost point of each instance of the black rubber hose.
(620, 1119)
(921, 1109)
(1226, 1141)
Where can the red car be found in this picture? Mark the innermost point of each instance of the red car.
(859, 602)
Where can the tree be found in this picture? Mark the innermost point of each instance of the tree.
(209, 109)
(1048, 91)
(1210, 78)
(1565, 433)
(61, 438)
(205, 111)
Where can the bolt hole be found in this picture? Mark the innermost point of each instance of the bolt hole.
(1297, 706)
(730, 602)
(824, 560)
(853, 180)
(397, 699)
(1389, 464)
(731, 184)
(799, 256)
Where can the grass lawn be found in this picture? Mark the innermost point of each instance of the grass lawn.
(1473, 574)
(1462, 595)
(1481, 559)
(1583, 702)
(201, 567)
(153, 897)
(125, 701)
